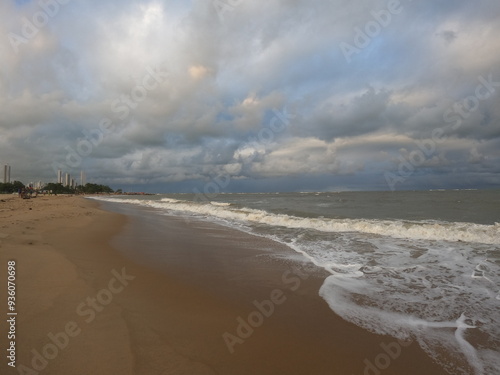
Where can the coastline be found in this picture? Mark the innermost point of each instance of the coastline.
(182, 315)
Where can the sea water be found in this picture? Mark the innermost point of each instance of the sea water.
(419, 266)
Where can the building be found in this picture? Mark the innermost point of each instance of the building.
(6, 174)
(59, 177)
(82, 178)
(67, 181)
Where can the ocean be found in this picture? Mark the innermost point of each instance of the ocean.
(419, 266)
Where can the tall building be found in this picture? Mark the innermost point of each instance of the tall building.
(59, 177)
(68, 180)
(6, 174)
(82, 178)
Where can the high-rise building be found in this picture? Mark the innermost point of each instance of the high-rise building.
(82, 178)
(59, 177)
(68, 180)
(6, 174)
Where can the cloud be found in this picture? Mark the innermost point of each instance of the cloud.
(224, 78)
(198, 71)
(448, 35)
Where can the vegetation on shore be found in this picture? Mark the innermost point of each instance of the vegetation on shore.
(16, 186)
(82, 189)
(11, 187)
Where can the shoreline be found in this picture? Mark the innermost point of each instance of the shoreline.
(213, 289)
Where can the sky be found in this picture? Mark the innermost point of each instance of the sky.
(237, 95)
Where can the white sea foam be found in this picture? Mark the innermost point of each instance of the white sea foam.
(220, 204)
(166, 200)
(439, 231)
(420, 290)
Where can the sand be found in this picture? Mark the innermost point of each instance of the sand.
(104, 293)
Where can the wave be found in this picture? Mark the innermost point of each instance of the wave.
(166, 200)
(421, 230)
(220, 204)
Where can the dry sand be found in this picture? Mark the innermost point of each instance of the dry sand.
(85, 308)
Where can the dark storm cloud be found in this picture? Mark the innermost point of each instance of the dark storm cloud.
(192, 93)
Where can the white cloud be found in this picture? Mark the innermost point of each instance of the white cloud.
(226, 78)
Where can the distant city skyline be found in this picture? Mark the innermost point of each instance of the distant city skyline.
(70, 181)
(62, 177)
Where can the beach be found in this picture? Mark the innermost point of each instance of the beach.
(128, 292)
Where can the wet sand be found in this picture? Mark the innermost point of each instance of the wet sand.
(134, 292)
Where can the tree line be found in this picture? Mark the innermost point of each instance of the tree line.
(11, 187)
(14, 187)
(82, 189)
